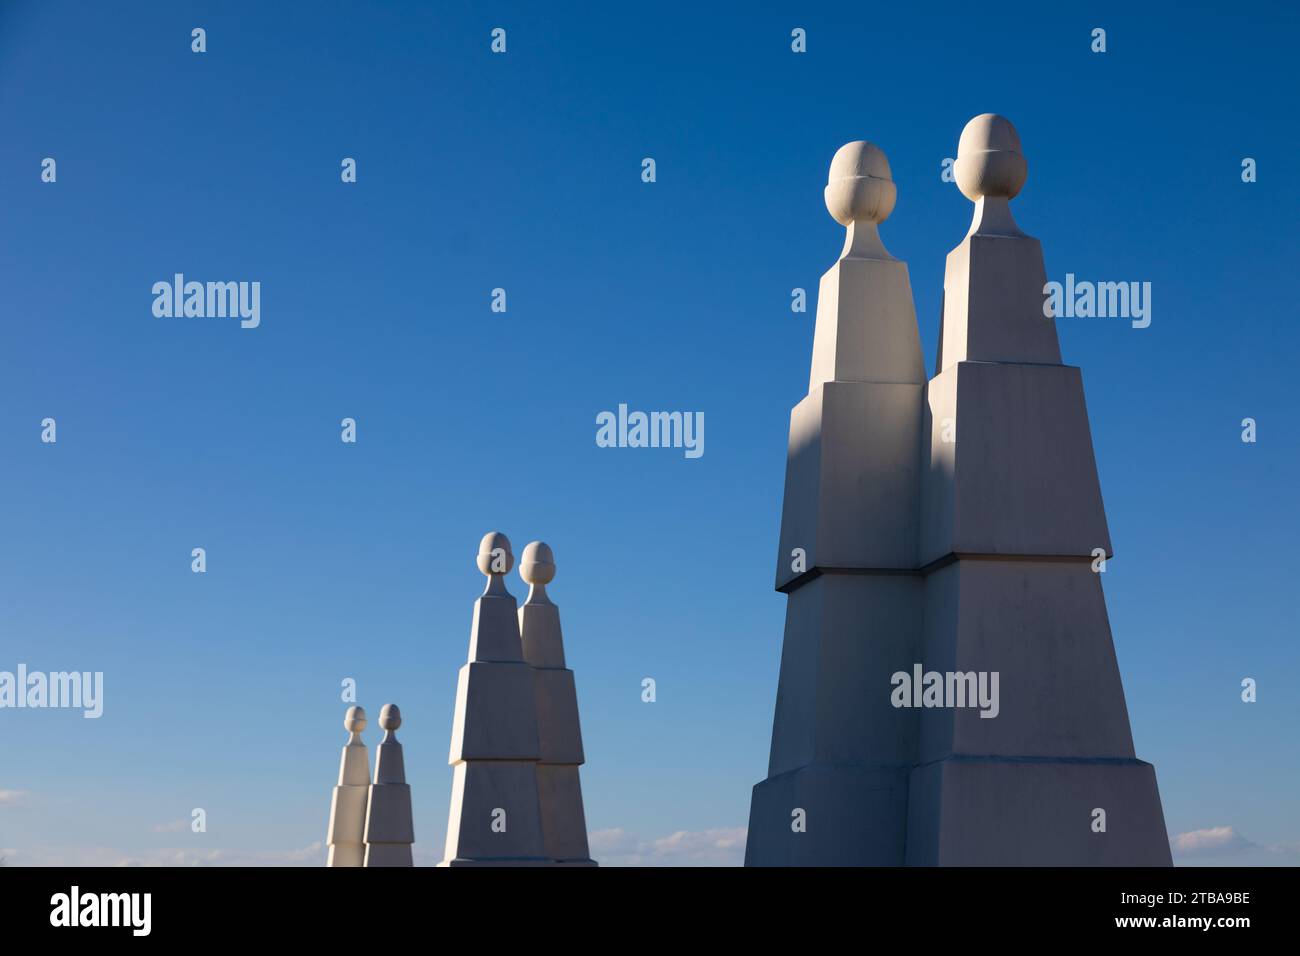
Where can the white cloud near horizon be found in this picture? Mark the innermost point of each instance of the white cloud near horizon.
(1224, 845)
(723, 846)
(1209, 841)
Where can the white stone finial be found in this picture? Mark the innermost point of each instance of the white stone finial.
(390, 717)
(538, 563)
(860, 194)
(537, 568)
(494, 554)
(860, 186)
(495, 559)
(990, 171)
(354, 721)
(989, 159)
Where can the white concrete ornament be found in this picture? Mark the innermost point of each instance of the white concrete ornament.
(346, 833)
(495, 816)
(1011, 514)
(970, 552)
(516, 744)
(840, 754)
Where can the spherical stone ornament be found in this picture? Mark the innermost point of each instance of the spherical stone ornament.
(860, 186)
(989, 160)
(488, 561)
(538, 563)
(390, 718)
(354, 721)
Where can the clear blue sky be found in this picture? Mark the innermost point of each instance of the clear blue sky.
(522, 171)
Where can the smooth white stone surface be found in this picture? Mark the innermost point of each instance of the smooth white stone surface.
(346, 833)
(389, 828)
(494, 745)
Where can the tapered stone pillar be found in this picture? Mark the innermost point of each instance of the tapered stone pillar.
(559, 734)
(389, 827)
(838, 773)
(1012, 520)
(495, 817)
(346, 835)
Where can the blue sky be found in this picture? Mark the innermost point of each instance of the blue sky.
(522, 171)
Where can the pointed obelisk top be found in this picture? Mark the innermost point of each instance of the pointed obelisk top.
(866, 325)
(990, 171)
(494, 635)
(539, 618)
(389, 765)
(994, 282)
(860, 194)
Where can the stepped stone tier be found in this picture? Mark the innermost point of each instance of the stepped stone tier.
(389, 828)
(559, 734)
(496, 816)
(948, 525)
(346, 835)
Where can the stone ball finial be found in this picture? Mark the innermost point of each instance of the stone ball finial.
(860, 186)
(354, 721)
(537, 566)
(494, 554)
(390, 718)
(989, 160)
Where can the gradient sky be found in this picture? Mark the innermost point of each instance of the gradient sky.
(522, 171)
